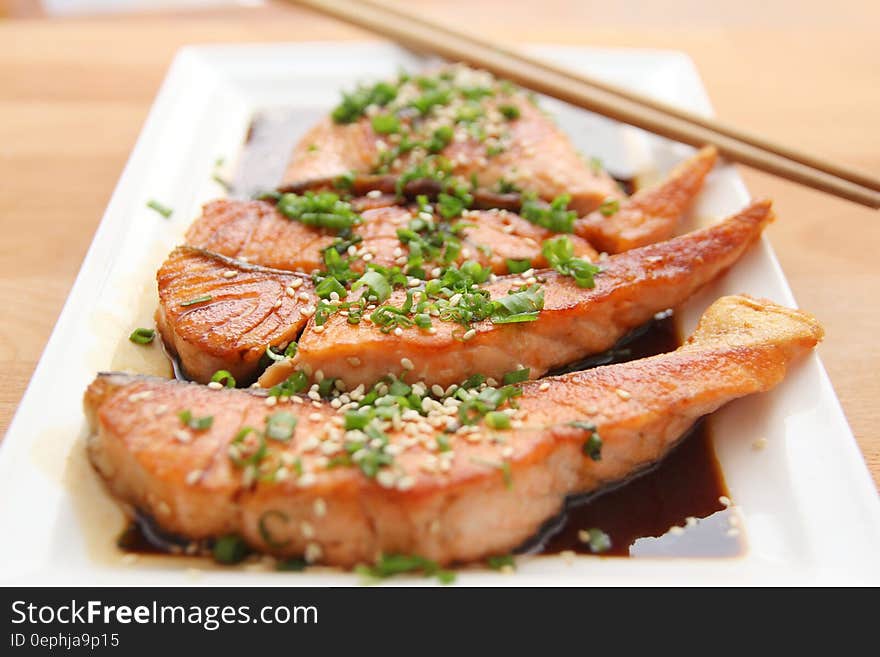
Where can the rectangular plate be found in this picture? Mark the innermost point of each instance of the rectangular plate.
(806, 503)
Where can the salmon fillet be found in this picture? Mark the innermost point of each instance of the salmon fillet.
(574, 323)
(218, 313)
(504, 136)
(482, 492)
(652, 214)
(257, 232)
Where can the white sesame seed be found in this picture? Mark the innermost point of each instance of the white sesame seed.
(307, 311)
(320, 507)
(307, 530)
(398, 331)
(271, 401)
(676, 531)
(230, 273)
(193, 476)
(307, 479)
(386, 478)
(544, 387)
(313, 552)
(469, 334)
(374, 193)
(316, 417)
(215, 385)
(295, 283)
(724, 500)
(406, 364)
(623, 394)
(139, 396)
(183, 436)
(290, 291)
(277, 304)
(367, 257)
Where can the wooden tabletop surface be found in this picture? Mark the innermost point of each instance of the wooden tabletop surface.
(75, 93)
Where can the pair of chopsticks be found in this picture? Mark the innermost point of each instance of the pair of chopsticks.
(604, 98)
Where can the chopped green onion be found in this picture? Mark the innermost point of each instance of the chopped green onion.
(241, 454)
(499, 561)
(265, 534)
(518, 266)
(385, 124)
(559, 252)
(354, 104)
(609, 206)
(554, 217)
(201, 299)
(291, 565)
(195, 423)
(599, 541)
(322, 209)
(510, 112)
(516, 376)
(280, 426)
(389, 565)
(142, 335)
(230, 549)
(165, 211)
(224, 377)
(376, 283)
(497, 420)
(593, 445)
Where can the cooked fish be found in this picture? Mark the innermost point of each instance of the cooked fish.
(495, 133)
(257, 232)
(218, 313)
(574, 322)
(651, 214)
(483, 490)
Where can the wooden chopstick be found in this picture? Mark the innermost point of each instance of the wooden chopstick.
(847, 173)
(567, 86)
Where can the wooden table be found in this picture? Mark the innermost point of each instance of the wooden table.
(74, 94)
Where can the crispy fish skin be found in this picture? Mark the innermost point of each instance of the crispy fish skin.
(652, 214)
(218, 313)
(257, 232)
(574, 323)
(339, 516)
(540, 157)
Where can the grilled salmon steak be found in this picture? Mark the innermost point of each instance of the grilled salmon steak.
(257, 232)
(218, 313)
(652, 214)
(451, 479)
(455, 122)
(574, 322)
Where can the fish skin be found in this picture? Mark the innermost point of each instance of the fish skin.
(741, 346)
(229, 331)
(256, 231)
(652, 214)
(574, 323)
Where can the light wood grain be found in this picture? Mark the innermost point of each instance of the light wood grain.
(75, 92)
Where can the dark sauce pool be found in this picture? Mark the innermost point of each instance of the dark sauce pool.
(670, 509)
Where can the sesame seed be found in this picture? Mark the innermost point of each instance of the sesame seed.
(193, 476)
(469, 334)
(307, 530)
(398, 331)
(271, 401)
(406, 364)
(215, 385)
(163, 509)
(437, 390)
(304, 296)
(316, 417)
(308, 311)
(623, 394)
(374, 193)
(230, 273)
(295, 283)
(307, 479)
(182, 436)
(277, 304)
(290, 291)
(406, 482)
(724, 500)
(318, 328)
(544, 387)
(320, 507)
(676, 531)
(367, 257)
(138, 396)
(313, 552)
(385, 478)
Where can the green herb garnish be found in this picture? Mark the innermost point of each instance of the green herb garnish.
(280, 426)
(164, 210)
(201, 299)
(593, 444)
(142, 335)
(609, 206)
(224, 377)
(323, 209)
(389, 565)
(230, 549)
(554, 217)
(559, 252)
(196, 423)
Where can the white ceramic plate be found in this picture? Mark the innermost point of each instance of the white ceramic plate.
(806, 504)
